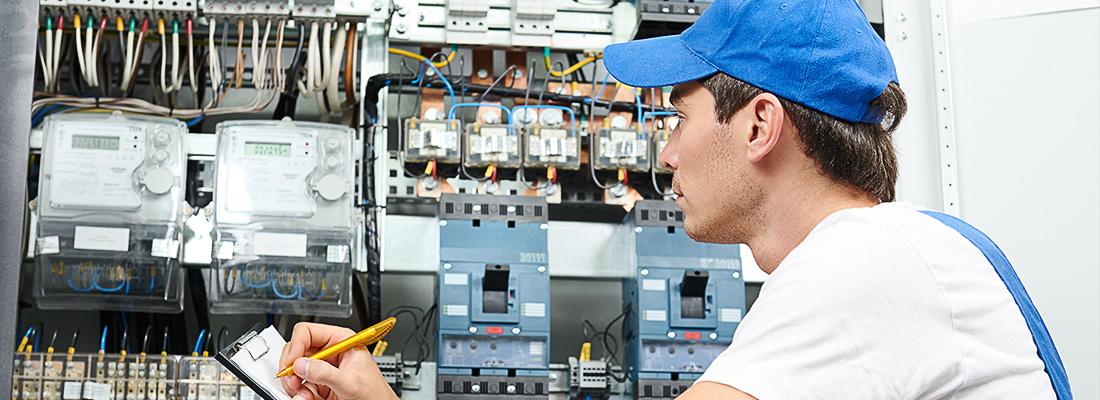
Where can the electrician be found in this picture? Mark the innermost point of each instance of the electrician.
(785, 110)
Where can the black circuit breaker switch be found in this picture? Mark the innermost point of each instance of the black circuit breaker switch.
(494, 287)
(692, 291)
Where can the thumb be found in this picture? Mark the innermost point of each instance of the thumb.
(323, 373)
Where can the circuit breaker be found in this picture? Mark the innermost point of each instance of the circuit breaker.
(686, 299)
(109, 210)
(283, 218)
(494, 297)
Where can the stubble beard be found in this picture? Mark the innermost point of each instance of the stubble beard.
(727, 221)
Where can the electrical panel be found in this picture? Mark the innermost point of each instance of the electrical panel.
(533, 22)
(494, 297)
(660, 140)
(109, 211)
(467, 21)
(283, 218)
(686, 299)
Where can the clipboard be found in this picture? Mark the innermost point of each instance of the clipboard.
(254, 359)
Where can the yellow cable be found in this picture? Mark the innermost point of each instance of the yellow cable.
(586, 351)
(451, 57)
(570, 70)
(380, 348)
(121, 26)
(22, 345)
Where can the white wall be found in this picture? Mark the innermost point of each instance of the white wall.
(1027, 111)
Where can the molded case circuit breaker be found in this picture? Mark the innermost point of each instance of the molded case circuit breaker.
(685, 297)
(109, 209)
(494, 297)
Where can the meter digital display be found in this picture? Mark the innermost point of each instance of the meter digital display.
(96, 142)
(267, 149)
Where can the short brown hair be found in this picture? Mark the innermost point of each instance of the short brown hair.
(857, 154)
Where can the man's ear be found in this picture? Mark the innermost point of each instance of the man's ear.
(766, 115)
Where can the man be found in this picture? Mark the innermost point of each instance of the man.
(786, 110)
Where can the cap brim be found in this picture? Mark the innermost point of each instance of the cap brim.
(654, 62)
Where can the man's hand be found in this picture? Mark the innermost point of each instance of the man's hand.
(351, 375)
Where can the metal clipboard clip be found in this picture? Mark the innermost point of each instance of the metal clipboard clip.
(254, 344)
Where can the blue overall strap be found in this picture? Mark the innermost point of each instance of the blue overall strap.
(1039, 333)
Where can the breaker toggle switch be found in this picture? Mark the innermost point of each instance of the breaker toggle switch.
(692, 291)
(494, 286)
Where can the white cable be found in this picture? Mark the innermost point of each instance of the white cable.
(80, 56)
(56, 57)
(215, 76)
(255, 52)
(128, 60)
(333, 86)
(94, 56)
(164, 87)
(261, 67)
(88, 62)
(279, 73)
(326, 56)
(191, 60)
(47, 61)
(306, 90)
(176, 79)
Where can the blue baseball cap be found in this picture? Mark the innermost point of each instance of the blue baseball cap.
(822, 54)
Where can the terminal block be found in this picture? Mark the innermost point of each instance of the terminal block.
(494, 298)
(467, 21)
(176, 9)
(533, 22)
(47, 376)
(314, 10)
(247, 8)
(393, 370)
(426, 140)
(552, 146)
(491, 144)
(687, 299)
(622, 148)
(589, 379)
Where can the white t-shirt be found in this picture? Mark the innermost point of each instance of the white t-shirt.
(883, 303)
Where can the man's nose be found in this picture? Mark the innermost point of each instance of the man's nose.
(669, 157)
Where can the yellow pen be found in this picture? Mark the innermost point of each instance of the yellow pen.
(365, 337)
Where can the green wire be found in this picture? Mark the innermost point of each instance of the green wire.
(175, 26)
(49, 23)
(133, 24)
(90, 19)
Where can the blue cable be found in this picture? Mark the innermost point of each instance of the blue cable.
(441, 77)
(638, 99)
(655, 114)
(198, 343)
(507, 112)
(194, 121)
(69, 277)
(297, 289)
(260, 286)
(103, 340)
(124, 324)
(95, 284)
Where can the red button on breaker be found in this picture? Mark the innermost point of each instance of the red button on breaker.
(496, 330)
(692, 335)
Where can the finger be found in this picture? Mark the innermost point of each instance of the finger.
(291, 384)
(304, 395)
(323, 373)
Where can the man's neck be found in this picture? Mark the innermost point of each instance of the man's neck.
(789, 216)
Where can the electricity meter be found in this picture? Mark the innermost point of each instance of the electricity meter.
(283, 218)
(491, 144)
(622, 148)
(427, 140)
(109, 213)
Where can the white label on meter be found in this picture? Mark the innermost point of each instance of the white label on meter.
(97, 238)
(268, 171)
(279, 244)
(93, 163)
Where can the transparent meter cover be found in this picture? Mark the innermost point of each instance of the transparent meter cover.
(283, 218)
(109, 210)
